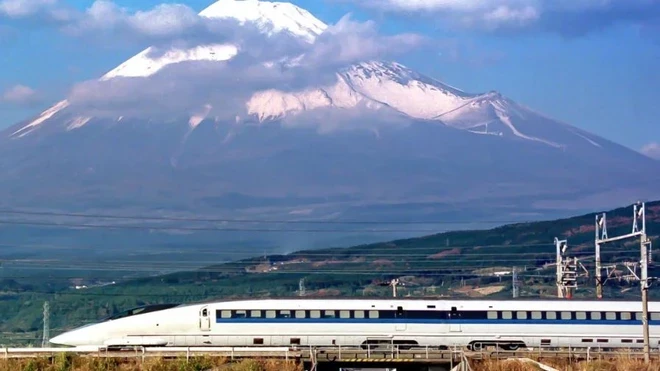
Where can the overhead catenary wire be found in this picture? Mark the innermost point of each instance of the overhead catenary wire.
(381, 246)
(256, 221)
(208, 229)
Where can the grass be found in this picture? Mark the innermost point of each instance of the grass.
(617, 364)
(65, 362)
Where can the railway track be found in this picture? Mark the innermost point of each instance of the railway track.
(330, 354)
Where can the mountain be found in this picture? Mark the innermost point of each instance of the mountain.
(380, 141)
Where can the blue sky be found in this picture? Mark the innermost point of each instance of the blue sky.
(590, 63)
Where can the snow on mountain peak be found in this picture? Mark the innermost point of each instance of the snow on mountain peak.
(144, 64)
(271, 17)
(399, 87)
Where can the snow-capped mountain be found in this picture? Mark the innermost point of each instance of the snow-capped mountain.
(373, 84)
(451, 146)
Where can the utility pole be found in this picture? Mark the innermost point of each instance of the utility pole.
(639, 217)
(46, 334)
(516, 289)
(394, 283)
(601, 235)
(567, 270)
(644, 246)
(301, 287)
(561, 246)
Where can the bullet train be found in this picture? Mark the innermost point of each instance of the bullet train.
(471, 324)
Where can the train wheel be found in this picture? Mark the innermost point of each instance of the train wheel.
(476, 346)
(512, 346)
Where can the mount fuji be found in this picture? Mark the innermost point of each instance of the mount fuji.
(376, 138)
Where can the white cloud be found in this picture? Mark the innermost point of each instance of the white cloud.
(19, 94)
(163, 23)
(564, 16)
(24, 8)
(349, 41)
(227, 85)
(164, 20)
(652, 150)
(40, 10)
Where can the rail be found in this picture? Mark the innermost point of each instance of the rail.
(337, 353)
(230, 352)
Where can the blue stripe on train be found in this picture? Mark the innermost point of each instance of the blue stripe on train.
(436, 321)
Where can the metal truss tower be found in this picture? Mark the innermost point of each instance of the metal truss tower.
(638, 230)
(568, 270)
(46, 334)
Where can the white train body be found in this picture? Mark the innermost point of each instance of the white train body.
(357, 322)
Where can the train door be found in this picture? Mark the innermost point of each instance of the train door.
(204, 319)
(454, 320)
(401, 318)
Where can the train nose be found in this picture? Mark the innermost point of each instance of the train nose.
(68, 338)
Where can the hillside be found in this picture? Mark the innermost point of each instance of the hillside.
(453, 264)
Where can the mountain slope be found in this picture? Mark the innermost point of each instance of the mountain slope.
(380, 137)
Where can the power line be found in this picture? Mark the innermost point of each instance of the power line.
(261, 221)
(381, 246)
(210, 229)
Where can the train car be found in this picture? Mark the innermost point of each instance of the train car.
(506, 324)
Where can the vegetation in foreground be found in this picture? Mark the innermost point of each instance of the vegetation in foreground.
(619, 364)
(65, 362)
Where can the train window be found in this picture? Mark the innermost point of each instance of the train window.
(373, 314)
(610, 316)
(314, 314)
(655, 316)
(587, 340)
(521, 315)
(255, 314)
(626, 341)
(566, 315)
(546, 341)
(492, 315)
(329, 314)
(270, 314)
(284, 314)
(550, 315)
(581, 315)
(638, 316)
(300, 314)
(257, 341)
(387, 314)
(358, 314)
(240, 314)
(625, 316)
(602, 341)
(344, 314)
(205, 312)
(295, 341)
(596, 316)
(507, 315)
(537, 315)
(225, 314)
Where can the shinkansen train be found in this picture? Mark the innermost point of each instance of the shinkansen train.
(475, 324)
